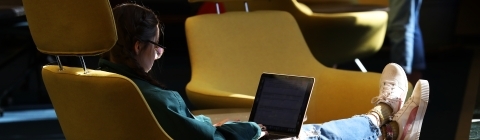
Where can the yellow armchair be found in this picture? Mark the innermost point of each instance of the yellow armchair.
(90, 104)
(333, 38)
(229, 52)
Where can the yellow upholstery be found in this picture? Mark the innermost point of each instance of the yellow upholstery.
(229, 52)
(98, 104)
(333, 38)
(74, 27)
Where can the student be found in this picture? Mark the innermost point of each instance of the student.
(137, 48)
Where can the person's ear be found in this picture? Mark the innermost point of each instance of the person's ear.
(137, 47)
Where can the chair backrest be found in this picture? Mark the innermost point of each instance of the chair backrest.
(250, 43)
(90, 104)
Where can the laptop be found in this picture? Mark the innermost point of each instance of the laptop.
(280, 104)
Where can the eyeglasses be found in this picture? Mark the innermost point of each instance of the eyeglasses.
(156, 48)
(156, 44)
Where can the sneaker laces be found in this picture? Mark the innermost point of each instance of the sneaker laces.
(401, 110)
(387, 90)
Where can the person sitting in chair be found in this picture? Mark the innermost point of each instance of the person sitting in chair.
(138, 47)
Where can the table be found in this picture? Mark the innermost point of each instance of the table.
(217, 115)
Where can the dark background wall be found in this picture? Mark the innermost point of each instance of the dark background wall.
(437, 21)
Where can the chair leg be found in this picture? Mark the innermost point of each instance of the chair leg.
(360, 65)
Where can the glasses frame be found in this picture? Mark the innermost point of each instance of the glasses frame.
(156, 44)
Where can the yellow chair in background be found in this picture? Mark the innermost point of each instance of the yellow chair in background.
(90, 104)
(333, 38)
(229, 52)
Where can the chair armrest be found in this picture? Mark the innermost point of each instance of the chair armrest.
(342, 94)
(204, 96)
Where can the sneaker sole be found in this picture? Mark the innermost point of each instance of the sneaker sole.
(422, 108)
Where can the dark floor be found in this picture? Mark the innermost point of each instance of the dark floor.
(447, 72)
(475, 131)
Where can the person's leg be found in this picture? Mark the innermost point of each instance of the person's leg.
(407, 123)
(393, 89)
(401, 28)
(418, 64)
(419, 52)
(393, 92)
(357, 127)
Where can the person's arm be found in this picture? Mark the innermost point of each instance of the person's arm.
(240, 130)
(171, 113)
(219, 124)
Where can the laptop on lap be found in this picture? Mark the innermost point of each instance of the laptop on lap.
(280, 104)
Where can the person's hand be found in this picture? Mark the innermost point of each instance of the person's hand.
(263, 133)
(264, 130)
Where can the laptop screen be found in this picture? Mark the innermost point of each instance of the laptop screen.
(281, 102)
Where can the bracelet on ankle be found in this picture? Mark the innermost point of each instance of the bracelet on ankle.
(379, 116)
(389, 131)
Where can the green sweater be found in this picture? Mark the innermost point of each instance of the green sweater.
(175, 118)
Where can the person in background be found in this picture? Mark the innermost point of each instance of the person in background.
(405, 37)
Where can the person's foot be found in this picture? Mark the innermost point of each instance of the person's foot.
(410, 117)
(393, 87)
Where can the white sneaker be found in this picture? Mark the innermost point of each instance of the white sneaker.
(410, 117)
(393, 87)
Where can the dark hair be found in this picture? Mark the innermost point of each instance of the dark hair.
(134, 23)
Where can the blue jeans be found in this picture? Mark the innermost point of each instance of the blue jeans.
(355, 128)
(405, 35)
